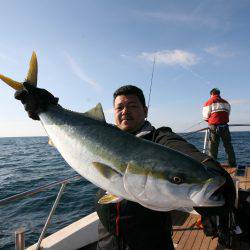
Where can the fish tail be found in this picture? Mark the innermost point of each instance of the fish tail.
(13, 84)
(31, 76)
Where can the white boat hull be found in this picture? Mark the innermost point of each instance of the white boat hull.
(78, 234)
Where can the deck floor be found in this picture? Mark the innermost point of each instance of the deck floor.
(187, 236)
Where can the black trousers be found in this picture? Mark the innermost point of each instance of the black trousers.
(217, 132)
(144, 240)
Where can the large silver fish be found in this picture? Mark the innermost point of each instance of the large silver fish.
(127, 167)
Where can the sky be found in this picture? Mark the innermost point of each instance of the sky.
(86, 49)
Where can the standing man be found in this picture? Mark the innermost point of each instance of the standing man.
(216, 112)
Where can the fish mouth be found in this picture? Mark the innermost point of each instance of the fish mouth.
(209, 195)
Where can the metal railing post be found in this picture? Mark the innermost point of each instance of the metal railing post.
(50, 216)
(20, 239)
(237, 185)
(205, 141)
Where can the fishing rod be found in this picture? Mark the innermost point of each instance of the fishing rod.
(193, 125)
(151, 83)
(196, 131)
(230, 125)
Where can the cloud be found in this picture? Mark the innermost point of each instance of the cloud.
(171, 57)
(219, 51)
(125, 56)
(181, 58)
(184, 18)
(240, 101)
(78, 71)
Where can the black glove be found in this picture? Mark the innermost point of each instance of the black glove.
(35, 100)
(227, 190)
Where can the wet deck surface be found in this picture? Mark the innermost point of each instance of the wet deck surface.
(187, 236)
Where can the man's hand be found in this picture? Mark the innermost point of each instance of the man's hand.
(35, 100)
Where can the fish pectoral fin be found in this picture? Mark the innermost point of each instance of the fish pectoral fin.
(105, 170)
(51, 143)
(13, 84)
(109, 198)
(96, 113)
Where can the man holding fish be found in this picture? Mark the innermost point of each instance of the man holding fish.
(143, 179)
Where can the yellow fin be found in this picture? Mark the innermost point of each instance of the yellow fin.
(33, 70)
(109, 198)
(13, 84)
(31, 76)
(50, 142)
(105, 170)
(96, 113)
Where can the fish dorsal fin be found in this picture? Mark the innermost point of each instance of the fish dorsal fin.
(33, 70)
(96, 113)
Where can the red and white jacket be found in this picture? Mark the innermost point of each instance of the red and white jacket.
(216, 111)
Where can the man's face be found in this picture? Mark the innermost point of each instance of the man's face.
(129, 113)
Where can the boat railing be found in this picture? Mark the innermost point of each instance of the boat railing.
(206, 138)
(207, 132)
(20, 233)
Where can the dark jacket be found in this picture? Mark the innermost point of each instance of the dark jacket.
(128, 225)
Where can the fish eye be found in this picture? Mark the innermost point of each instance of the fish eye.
(176, 179)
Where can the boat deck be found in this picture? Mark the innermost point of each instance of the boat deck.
(188, 236)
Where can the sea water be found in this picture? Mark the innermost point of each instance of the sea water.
(29, 162)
